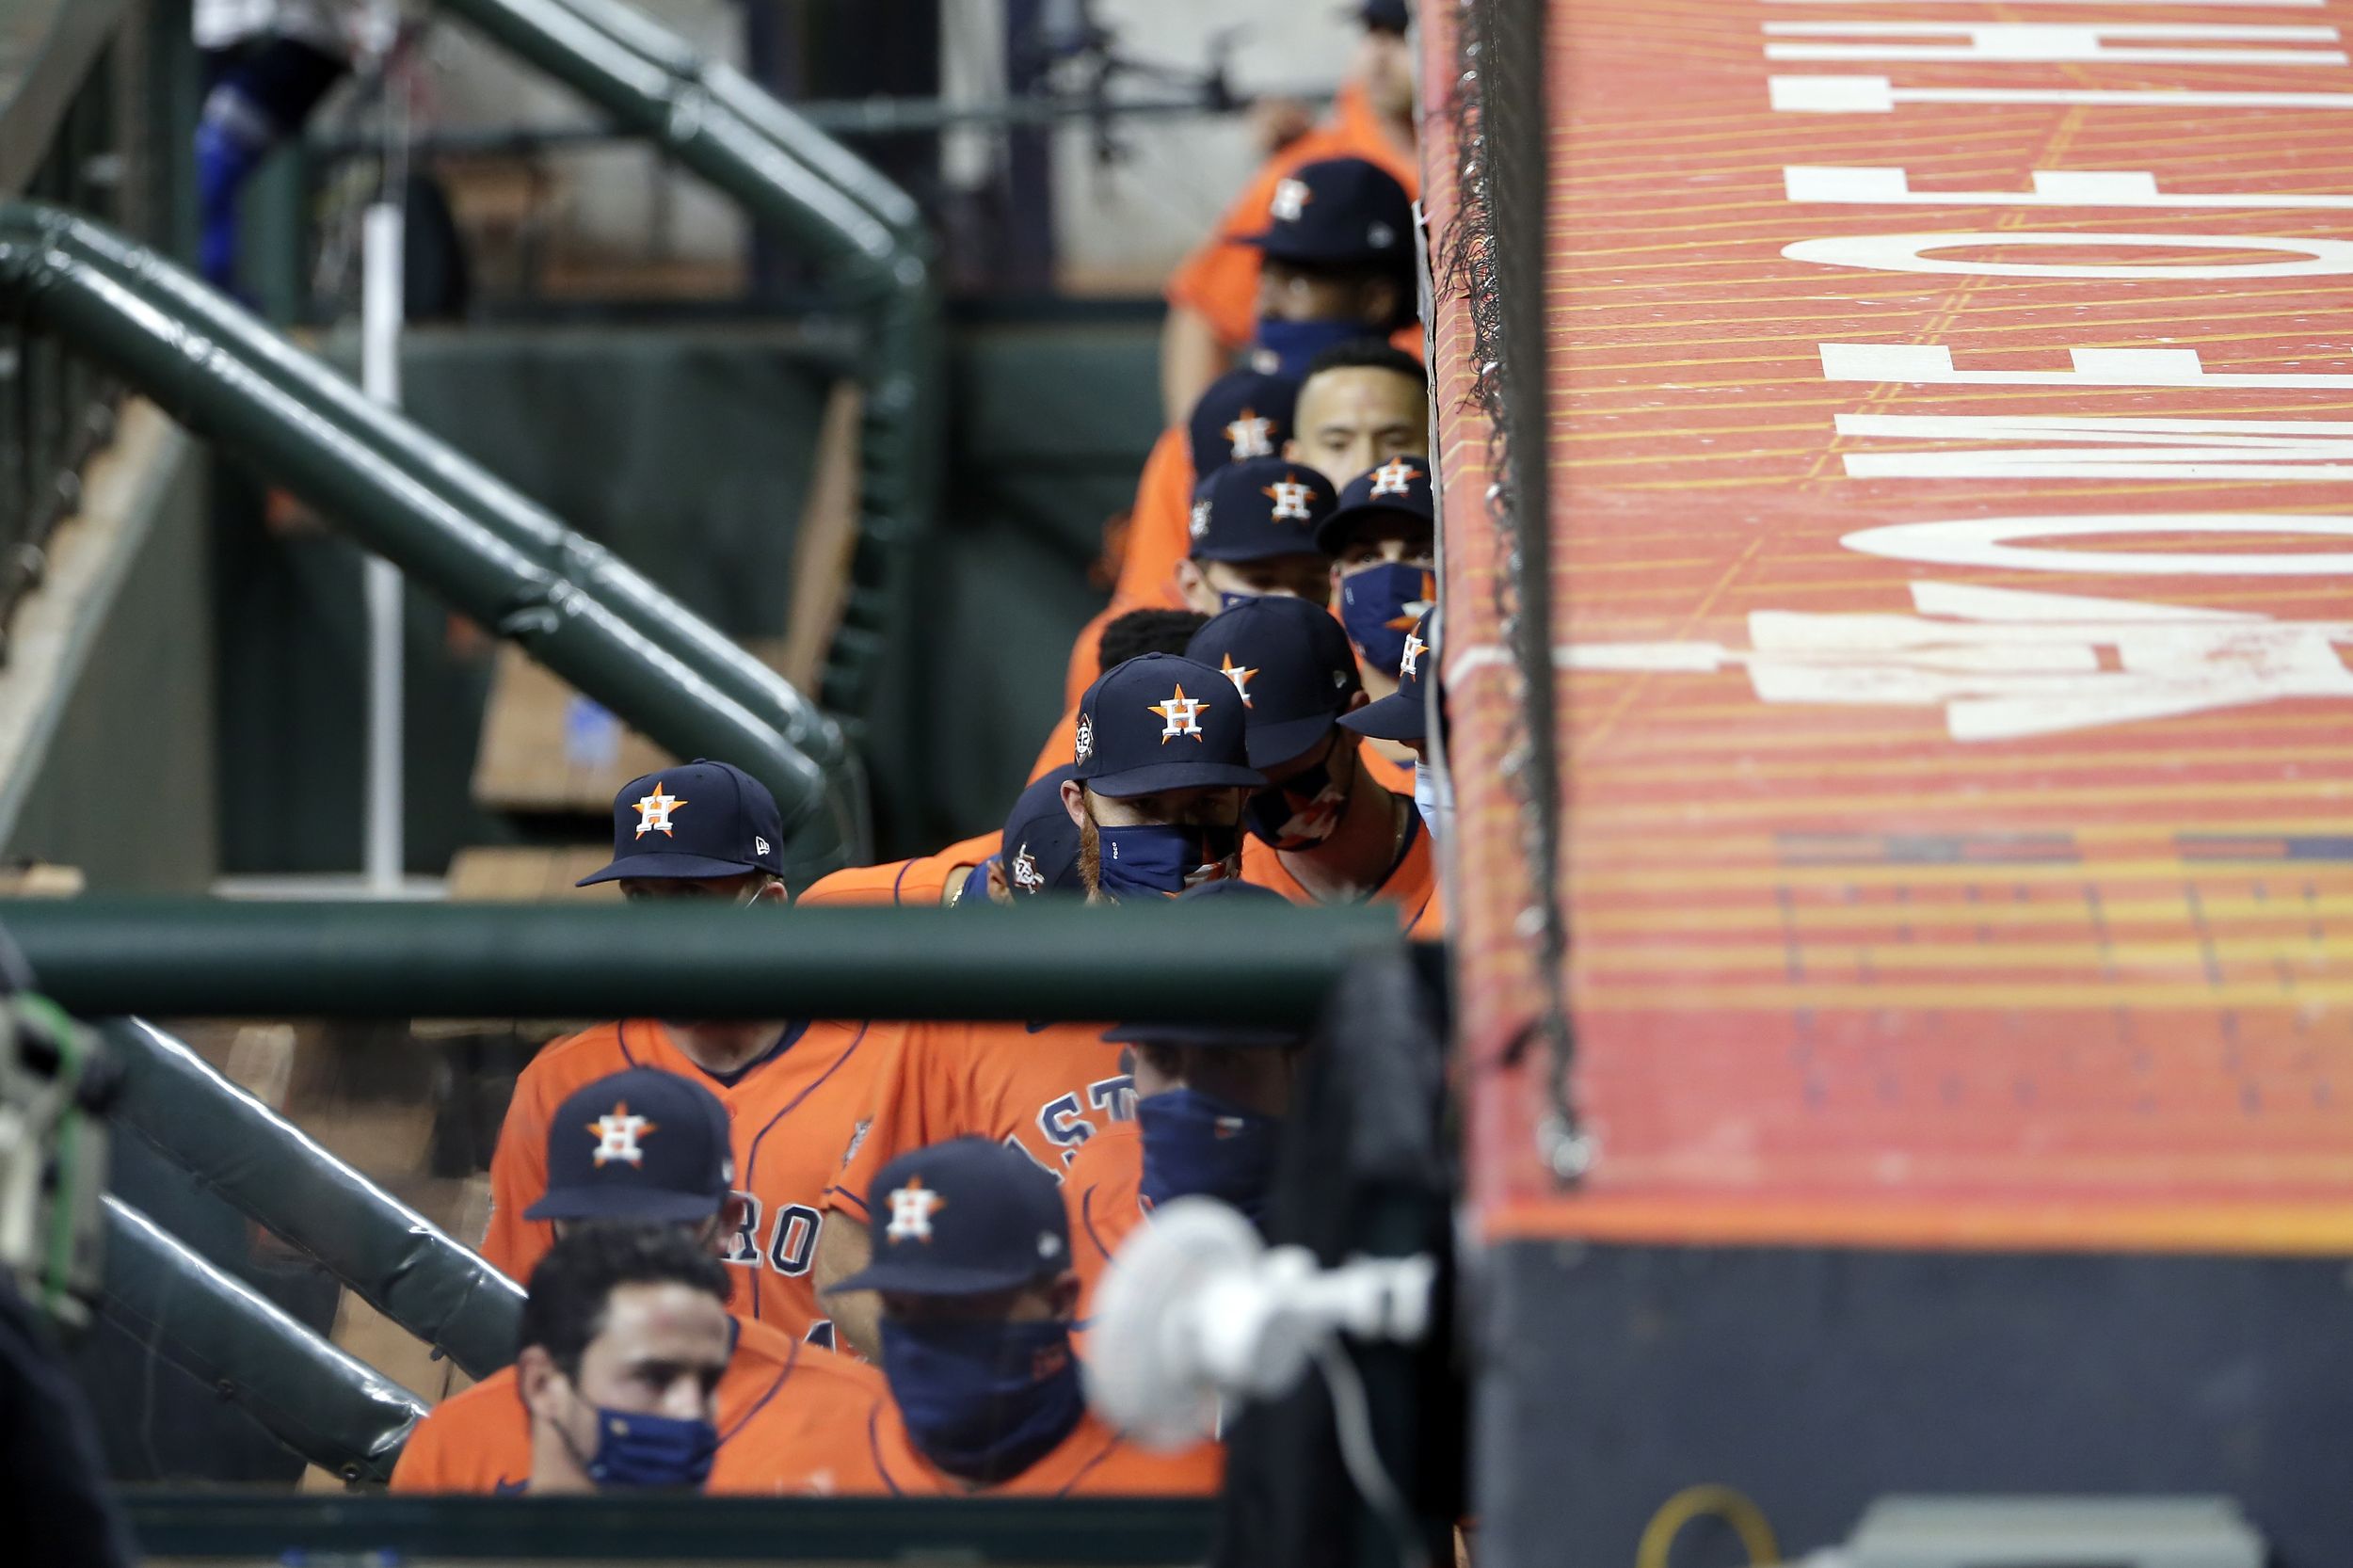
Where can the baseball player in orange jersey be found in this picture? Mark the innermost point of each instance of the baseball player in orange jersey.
(1210, 1104)
(1322, 831)
(1128, 635)
(1214, 295)
(1245, 414)
(653, 1147)
(1156, 796)
(792, 1090)
(970, 1255)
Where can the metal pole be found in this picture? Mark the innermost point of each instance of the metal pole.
(380, 315)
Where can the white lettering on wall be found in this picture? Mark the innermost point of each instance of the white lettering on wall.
(2233, 449)
(1879, 95)
(2056, 42)
(2053, 187)
(1909, 253)
(1986, 542)
(1932, 364)
(2007, 663)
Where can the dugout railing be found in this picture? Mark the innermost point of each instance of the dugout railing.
(799, 185)
(457, 531)
(101, 958)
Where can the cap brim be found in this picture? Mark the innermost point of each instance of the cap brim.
(1271, 744)
(1177, 775)
(1328, 531)
(1304, 546)
(917, 1276)
(1400, 716)
(658, 863)
(1234, 1036)
(624, 1203)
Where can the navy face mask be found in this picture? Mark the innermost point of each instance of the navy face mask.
(1164, 861)
(1285, 348)
(1198, 1146)
(984, 1400)
(663, 1452)
(975, 885)
(1379, 606)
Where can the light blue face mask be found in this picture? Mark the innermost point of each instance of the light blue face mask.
(1434, 798)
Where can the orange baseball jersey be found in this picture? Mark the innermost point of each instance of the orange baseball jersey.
(1044, 1089)
(1092, 1461)
(1411, 884)
(1157, 537)
(1104, 1197)
(784, 1411)
(1221, 277)
(792, 1113)
(919, 882)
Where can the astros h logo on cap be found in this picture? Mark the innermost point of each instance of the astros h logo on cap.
(1139, 709)
(733, 825)
(911, 1210)
(618, 1133)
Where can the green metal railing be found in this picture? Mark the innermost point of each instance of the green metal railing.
(788, 176)
(450, 525)
(80, 86)
(1224, 962)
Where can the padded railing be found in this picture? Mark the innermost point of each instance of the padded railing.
(450, 525)
(789, 176)
(280, 1177)
(328, 1406)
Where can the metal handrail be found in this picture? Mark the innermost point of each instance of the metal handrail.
(449, 524)
(786, 173)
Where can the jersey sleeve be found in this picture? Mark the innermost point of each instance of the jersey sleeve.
(1157, 527)
(518, 1178)
(911, 1103)
(424, 1461)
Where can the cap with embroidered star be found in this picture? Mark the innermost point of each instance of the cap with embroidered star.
(700, 819)
(1161, 722)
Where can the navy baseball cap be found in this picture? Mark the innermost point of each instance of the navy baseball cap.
(699, 819)
(962, 1217)
(1404, 713)
(1245, 414)
(1237, 1035)
(642, 1144)
(1162, 722)
(1257, 509)
(1388, 16)
(1398, 489)
(1040, 844)
(1338, 212)
(1289, 662)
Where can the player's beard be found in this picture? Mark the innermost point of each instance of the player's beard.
(1091, 859)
